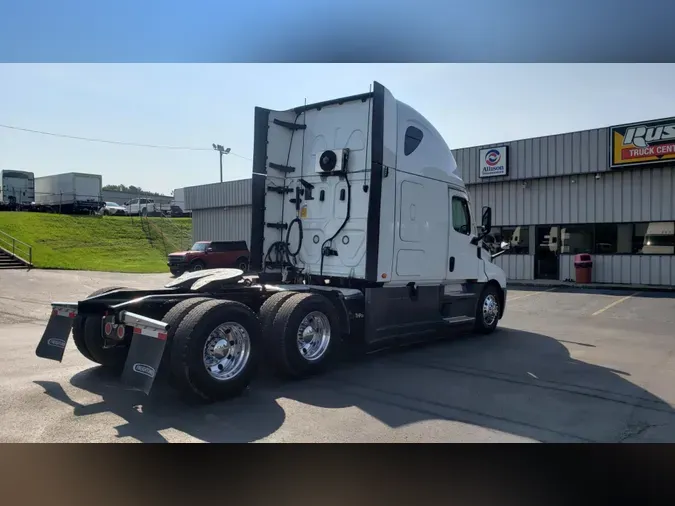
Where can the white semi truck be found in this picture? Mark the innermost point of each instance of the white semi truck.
(71, 192)
(17, 187)
(659, 239)
(362, 235)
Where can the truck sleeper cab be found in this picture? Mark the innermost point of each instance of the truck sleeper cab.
(362, 234)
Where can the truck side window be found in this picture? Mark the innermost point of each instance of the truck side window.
(413, 137)
(461, 218)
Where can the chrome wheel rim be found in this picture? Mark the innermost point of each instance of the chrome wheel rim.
(226, 351)
(313, 336)
(197, 267)
(490, 310)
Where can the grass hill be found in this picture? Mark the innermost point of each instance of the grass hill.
(99, 243)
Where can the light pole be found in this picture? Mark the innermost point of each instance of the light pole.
(222, 151)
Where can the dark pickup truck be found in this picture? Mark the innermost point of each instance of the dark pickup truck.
(210, 255)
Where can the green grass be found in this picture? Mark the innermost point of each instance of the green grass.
(113, 244)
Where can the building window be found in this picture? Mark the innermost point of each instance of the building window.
(413, 137)
(461, 218)
(517, 237)
(575, 239)
(655, 238)
(612, 238)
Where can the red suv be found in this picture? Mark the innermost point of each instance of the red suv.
(210, 255)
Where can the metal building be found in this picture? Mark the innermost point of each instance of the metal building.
(607, 192)
(220, 211)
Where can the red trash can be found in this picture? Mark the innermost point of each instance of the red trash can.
(584, 267)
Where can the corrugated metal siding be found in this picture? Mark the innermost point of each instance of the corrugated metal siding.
(555, 155)
(626, 269)
(621, 196)
(519, 267)
(218, 195)
(231, 224)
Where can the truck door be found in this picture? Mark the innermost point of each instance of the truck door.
(462, 258)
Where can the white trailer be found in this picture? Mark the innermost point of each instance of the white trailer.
(362, 235)
(71, 192)
(17, 187)
(179, 199)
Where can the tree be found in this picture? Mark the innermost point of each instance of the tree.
(129, 189)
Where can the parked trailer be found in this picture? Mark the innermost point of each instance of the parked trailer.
(17, 187)
(365, 236)
(72, 192)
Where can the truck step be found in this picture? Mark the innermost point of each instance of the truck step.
(455, 320)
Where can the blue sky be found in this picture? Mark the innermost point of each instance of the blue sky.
(198, 104)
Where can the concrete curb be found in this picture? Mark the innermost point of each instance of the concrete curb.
(591, 286)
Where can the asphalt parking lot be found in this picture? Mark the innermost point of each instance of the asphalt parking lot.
(565, 366)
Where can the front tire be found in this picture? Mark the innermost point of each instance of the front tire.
(214, 350)
(487, 310)
(304, 337)
(197, 265)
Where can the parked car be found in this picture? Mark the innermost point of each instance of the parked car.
(112, 209)
(144, 207)
(210, 255)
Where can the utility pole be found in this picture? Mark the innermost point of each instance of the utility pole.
(222, 151)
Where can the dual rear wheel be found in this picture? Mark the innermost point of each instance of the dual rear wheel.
(214, 346)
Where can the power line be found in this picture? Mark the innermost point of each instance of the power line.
(119, 143)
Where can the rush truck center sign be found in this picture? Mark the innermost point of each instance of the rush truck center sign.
(647, 143)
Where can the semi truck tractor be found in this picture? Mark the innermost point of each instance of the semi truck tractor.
(362, 235)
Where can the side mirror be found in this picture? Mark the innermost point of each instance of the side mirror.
(209, 250)
(486, 220)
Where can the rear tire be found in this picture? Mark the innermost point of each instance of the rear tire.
(78, 325)
(270, 307)
(304, 337)
(242, 264)
(173, 318)
(268, 311)
(110, 358)
(487, 310)
(203, 335)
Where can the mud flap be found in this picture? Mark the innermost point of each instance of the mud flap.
(52, 346)
(145, 355)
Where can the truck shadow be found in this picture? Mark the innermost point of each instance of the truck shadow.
(514, 382)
